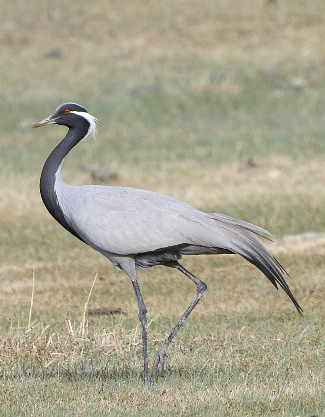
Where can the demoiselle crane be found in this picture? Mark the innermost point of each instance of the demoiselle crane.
(137, 229)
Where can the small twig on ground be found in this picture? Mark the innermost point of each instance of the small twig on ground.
(31, 303)
(104, 311)
(86, 306)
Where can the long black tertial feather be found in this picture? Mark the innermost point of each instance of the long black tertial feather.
(274, 274)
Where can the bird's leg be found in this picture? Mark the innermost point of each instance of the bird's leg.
(158, 366)
(143, 321)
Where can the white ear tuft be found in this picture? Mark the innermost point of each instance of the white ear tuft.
(90, 119)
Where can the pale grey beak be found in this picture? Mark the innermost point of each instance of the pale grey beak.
(48, 121)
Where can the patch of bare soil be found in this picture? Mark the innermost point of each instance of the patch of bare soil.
(309, 243)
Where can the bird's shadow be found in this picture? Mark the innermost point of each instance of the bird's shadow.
(100, 374)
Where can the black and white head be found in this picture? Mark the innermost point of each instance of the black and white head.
(70, 115)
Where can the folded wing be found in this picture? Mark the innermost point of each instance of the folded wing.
(128, 221)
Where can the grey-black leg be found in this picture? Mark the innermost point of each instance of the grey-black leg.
(143, 320)
(158, 366)
(128, 266)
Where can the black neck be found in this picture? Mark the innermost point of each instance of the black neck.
(51, 173)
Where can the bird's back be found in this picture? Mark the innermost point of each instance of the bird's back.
(128, 221)
(125, 220)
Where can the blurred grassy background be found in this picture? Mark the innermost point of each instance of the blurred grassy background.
(220, 104)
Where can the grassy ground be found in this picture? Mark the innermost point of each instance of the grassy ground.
(221, 107)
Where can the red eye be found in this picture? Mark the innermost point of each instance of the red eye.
(66, 111)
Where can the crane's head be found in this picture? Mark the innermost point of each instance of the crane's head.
(70, 115)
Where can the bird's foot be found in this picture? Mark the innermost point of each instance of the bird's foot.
(158, 365)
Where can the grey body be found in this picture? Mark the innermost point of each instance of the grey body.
(137, 229)
(151, 229)
(144, 225)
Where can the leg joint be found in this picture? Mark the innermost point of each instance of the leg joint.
(202, 287)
